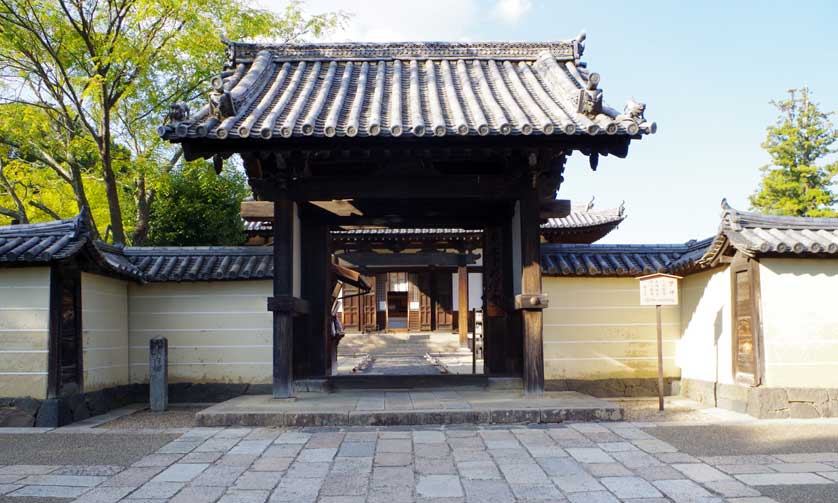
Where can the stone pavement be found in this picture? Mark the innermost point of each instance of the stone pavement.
(582, 462)
(403, 407)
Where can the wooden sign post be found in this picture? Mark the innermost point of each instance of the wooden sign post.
(659, 290)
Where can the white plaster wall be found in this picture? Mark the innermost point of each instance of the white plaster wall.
(595, 328)
(218, 332)
(104, 321)
(800, 322)
(24, 331)
(704, 351)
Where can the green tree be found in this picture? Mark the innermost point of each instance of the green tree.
(794, 184)
(105, 72)
(196, 207)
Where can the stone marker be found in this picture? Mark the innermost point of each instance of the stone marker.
(158, 374)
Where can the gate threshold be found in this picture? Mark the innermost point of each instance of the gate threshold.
(401, 407)
(371, 381)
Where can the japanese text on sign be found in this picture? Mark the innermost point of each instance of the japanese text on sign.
(659, 291)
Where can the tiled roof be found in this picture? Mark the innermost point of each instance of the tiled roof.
(618, 260)
(372, 234)
(758, 234)
(202, 263)
(256, 226)
(61, 239)
(405, 89)
(584, 215)
(42, 242)
(584, 224)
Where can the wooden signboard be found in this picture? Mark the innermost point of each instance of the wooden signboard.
(659, 290)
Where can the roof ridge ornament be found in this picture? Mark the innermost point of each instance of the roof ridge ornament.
(730, 216)
(245, 52)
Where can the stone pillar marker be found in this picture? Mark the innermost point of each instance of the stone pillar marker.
(158, 374)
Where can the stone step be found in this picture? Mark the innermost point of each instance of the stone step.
(373, 381)
(404, 408)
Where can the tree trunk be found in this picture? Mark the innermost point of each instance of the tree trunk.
(81, 200)
(143, 212)
(111, 189)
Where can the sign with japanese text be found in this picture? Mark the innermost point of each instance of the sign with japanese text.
(659, 290)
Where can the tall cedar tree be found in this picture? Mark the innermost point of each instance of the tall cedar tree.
(793, 184)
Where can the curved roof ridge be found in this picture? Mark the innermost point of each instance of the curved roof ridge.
(244, 52)
(607, 247)
(132, 251)
(74, 224)
(755, 234)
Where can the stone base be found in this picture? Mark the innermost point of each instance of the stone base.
(615, 388)
(764, 402)
(373, 408)
(312, 386)
(55, 412)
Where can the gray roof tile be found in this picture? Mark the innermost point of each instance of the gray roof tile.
(618, 260)
(758, 234)
(210, 263)
(411, 89)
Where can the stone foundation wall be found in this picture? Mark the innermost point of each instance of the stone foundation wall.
(54, 412)
(615, 388)
(51, 413)
(764, 402)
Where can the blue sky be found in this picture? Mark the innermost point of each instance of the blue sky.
(706, 70)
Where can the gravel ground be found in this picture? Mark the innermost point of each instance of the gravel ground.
(754, 438)
(175, 417)
(78, 448)
(802, 494)
(646, 410)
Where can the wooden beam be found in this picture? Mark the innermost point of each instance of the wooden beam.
(462, 308)
(257, 210)
(403, 260)
(458, 187)
(453, 147)
(557, 208)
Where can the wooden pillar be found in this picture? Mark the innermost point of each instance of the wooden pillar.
(462, 308)
(282, 303)
(312, 344)
(502, 346)
(531, 301)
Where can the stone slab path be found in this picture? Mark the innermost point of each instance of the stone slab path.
(584, 462)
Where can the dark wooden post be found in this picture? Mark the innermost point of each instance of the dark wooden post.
(531, 300)
(502, 345)
(282, 303)
(462, 294)
(312, 344)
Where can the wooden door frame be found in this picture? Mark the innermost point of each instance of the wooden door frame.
(59, 272)
(742, 263)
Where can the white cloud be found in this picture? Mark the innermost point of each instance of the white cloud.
(399, 20)
(511, 11)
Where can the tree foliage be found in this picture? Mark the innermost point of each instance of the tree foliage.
(794, 183)
(196, 207)
(97, 76)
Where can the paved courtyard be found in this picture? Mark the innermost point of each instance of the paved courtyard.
(583, 462)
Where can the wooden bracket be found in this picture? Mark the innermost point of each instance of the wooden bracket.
(531, 301)
(288, 304)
